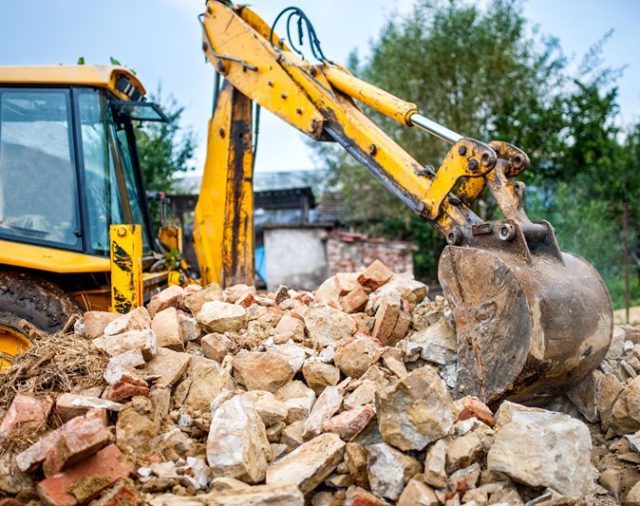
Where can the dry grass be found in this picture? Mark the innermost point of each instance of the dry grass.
(54, 364)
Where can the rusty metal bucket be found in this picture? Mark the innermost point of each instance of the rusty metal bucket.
(531, 320)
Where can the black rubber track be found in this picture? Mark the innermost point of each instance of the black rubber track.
(38, 301)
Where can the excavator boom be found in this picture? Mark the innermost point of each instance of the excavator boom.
(531, 320)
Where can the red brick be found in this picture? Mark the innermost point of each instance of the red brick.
(473, 407)
(374, 276)
(357, 496)
(76, 445)
(350, 423)
(247, 300)
(31, 458)
(355, 300)
(346, 282)
(69, 406)
(26, 411)
(385, 322)
(123, 391)
(84, 481)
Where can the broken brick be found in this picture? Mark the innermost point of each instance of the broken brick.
(81, 483)
(374, 276)
(69, 406)
(355, 300)
(25, 411)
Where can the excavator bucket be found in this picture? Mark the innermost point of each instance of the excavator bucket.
(531, 320)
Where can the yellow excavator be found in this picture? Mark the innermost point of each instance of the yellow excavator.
(531, 320)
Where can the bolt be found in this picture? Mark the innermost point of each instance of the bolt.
(518, 161)
(209, 9)
(373, 149)
(221, 132)
(485, 159)
(270, 84)
(473, 165)
(299, 111)
(506, 232)
(462, 150)
(283, 96)
(314, 71)
(122, 232)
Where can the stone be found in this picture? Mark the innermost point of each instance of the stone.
(222, 317)
(610, 389)
(117, 344)
(291, 352)
(434, 464)
(259, 495)
(123, 493)
(133, 359)
(350, 423)
(166, 326)
(138, 319)
(298, 398)
(308, 465)
(327, 404)
(374, 276)
(328, 292)
(437, 342)
(357, 496)
(465, 450)
(262, 370)
(96, 321)
(356, 354)
(356, 457)
(633, 496)
(415, 410)
(326, 325)
(465, 479)
(26, 412)
(194, 301)
(76, 445)
(544, 449)
(319, 375)
(625, 414)
(355, 300)
(584, 396)
(365, 393)
(137, 428)
(392, 359)
(270, 409)
(346, 282)
(124, 383)
(289, 328)
(206, 379)
(292, 435)
(189, 326)
(416, 493)
(389, 470)
(216, 346)
(69, 406)
(472, 407)
(172, 296)
(81, 483)
(169, 365)
(404, 288)
(237, 445)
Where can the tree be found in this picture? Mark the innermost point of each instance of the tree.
(165, 149)
(477, 72)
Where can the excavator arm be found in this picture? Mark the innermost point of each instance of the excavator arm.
(530, 319)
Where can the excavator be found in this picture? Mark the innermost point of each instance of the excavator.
(75, 230)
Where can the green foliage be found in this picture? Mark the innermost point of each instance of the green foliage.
(165, 149)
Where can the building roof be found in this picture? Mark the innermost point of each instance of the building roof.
(102, 76)
(264, 181)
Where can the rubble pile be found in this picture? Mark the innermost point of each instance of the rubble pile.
(341, 396)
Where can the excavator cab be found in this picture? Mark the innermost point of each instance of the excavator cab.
(68, 170)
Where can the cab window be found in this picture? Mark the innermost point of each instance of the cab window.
(38, 192)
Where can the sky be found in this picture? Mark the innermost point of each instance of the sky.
(161, 41)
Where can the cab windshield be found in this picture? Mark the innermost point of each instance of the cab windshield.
(109, 171)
